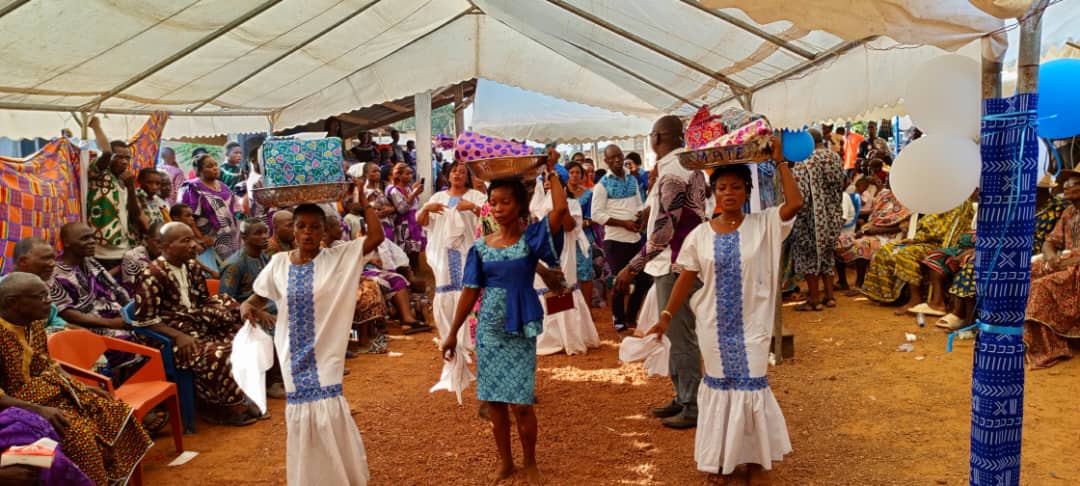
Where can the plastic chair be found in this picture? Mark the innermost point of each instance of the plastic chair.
(213, 286)
(77, 351)
(184, 379)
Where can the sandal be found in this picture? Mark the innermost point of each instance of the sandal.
(925, 310)
(855, 292)
(415, 327)
(809, 306)
(830, 303)
(157, 423)
(235, 418)
(950, 322)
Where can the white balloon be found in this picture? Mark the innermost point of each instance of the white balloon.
(944, 96)
(935, 173)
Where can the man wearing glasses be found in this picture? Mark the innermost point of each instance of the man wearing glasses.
(112, 207)
(675, 206)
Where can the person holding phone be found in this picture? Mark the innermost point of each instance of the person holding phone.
(405, 197)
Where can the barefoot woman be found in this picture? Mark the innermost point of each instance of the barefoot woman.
(315, 292)
(736, 257)
(503, 265)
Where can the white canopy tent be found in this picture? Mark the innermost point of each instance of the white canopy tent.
(250, 65)
(509, 112)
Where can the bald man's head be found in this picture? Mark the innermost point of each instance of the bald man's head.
(24, 298)
(613, 159)
(36, 256)
(178, 243)
(283, 227)
(78, 241)
(667, 135)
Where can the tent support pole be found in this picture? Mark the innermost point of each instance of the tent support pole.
(459, 109)
(422, 112)
(224, 29)
(12, 6)
(997, 384)
(84, 161)
(733, 85)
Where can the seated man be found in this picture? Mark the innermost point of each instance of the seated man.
(205, 244)
(239, 270)
(283, 237)
(171, 298)
(1053, 316)
(136, 259)
(83, 291)
(96, 431)
(34, 255)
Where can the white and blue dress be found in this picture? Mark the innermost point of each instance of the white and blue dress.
(510, 313)
(449, 236)
(315, 304)
(739, 420)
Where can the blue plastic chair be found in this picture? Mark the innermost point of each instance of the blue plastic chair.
(184, 379)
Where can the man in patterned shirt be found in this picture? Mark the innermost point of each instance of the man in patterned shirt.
(675, 207)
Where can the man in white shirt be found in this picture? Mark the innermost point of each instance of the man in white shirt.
(676, 206)
(617, 204)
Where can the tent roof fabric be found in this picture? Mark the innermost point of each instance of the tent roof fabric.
(240, 64)
(513, 113)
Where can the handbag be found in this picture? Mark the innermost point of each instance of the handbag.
(556, 302)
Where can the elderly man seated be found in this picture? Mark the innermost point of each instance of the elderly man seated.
(172, 299)
(1053, 313)
(283, 238)
(36, 256)
(96, 432)
(83, 291)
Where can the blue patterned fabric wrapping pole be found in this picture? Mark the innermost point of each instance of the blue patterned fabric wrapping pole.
(1006, 226)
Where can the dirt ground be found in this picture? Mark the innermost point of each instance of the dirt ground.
(858, 412)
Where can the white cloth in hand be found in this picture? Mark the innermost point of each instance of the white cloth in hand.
(655, 353)
(252, 355)
(456, 375)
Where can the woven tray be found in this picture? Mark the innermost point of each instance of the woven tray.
(284, 196)
(520, 167)
(707, 158)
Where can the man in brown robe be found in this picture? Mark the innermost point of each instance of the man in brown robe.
(172, 298)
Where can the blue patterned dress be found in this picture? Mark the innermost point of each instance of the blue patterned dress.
(585, 261)
(510, 313)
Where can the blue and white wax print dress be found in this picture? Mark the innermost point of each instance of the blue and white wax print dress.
(315, 304)
(510, 313)
(739, 420)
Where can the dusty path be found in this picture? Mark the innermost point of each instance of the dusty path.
(858, 413)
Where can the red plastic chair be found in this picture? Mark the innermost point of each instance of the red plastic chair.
(78, 350)
(213, 286)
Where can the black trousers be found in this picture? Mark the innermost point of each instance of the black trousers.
(619, 254)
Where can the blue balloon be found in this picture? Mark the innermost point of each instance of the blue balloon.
(798, 144)
(1059, 100)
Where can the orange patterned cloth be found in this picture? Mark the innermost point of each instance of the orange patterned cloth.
(38, 195)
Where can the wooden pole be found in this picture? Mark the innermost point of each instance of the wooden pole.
(84, 161)
(459, 109)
